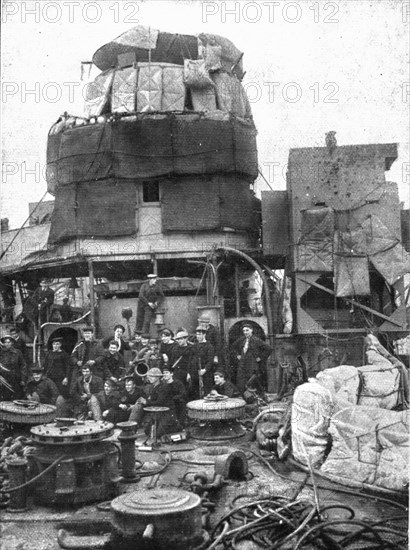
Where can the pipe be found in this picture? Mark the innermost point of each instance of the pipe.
(91, 286)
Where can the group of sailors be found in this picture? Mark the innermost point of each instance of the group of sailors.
(95, 381)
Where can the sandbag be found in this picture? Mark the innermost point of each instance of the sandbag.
(312, 409)
(369, 445)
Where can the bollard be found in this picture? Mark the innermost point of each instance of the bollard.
(127, 439)
(17, 468)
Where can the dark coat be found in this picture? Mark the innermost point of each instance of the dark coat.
(150, 294)
(124, 346)
(228, 389)
(248, 364)
(85, 351)
(184, 355)
(46, 390)
(203, 358)
(109, 365)
(96, 386)
(14, 372)
(57, 367)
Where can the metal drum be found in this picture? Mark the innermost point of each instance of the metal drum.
(26, 412)
(158, 518)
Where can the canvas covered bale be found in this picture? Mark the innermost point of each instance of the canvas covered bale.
(149, 92)
(343, 381)
(196, 75)
(380, 385)
(203, 100)
(231, 96)
(369, 445)
(231, 57)
(312, 409)
(173, 89)
(97, 94)
(124, 90)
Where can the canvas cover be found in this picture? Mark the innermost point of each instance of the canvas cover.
(203, 100)
(124, 90)
(152, 146)
(162, 46)
(369, 445)
(97, 94)
(94, 209)
(231, 96)
(312, 409)
(199, 204)
(351, 276)
(380, 385)
(146, 43)
(315, 247)
(173, 89)
(149, 91)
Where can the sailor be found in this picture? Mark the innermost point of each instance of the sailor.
(212, 336)
(119, 331)
(83, 401)
(43, 300)
(178, 393)
(132, 401)
(13, 370)
(57, 366)
(86, 351)
(109, 401)
(251, 354)
(137, 342)
(181, 357)
(223, 386)
(160, 396)
(149, 299)
(110, 364)
(41, 388)
(201, 369)
(21, 345)
(166, 345)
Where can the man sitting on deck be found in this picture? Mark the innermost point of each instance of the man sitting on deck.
(223, 386)
(83, 401)
(40, 388)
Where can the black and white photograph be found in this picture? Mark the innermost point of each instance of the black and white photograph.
(204, 275)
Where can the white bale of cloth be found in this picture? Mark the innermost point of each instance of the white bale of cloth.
(343, 382)
(149, 92)
(380, 385)
(124, 88)
(369, 445)
(173, 89)
(312, 409)
(203, 100)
